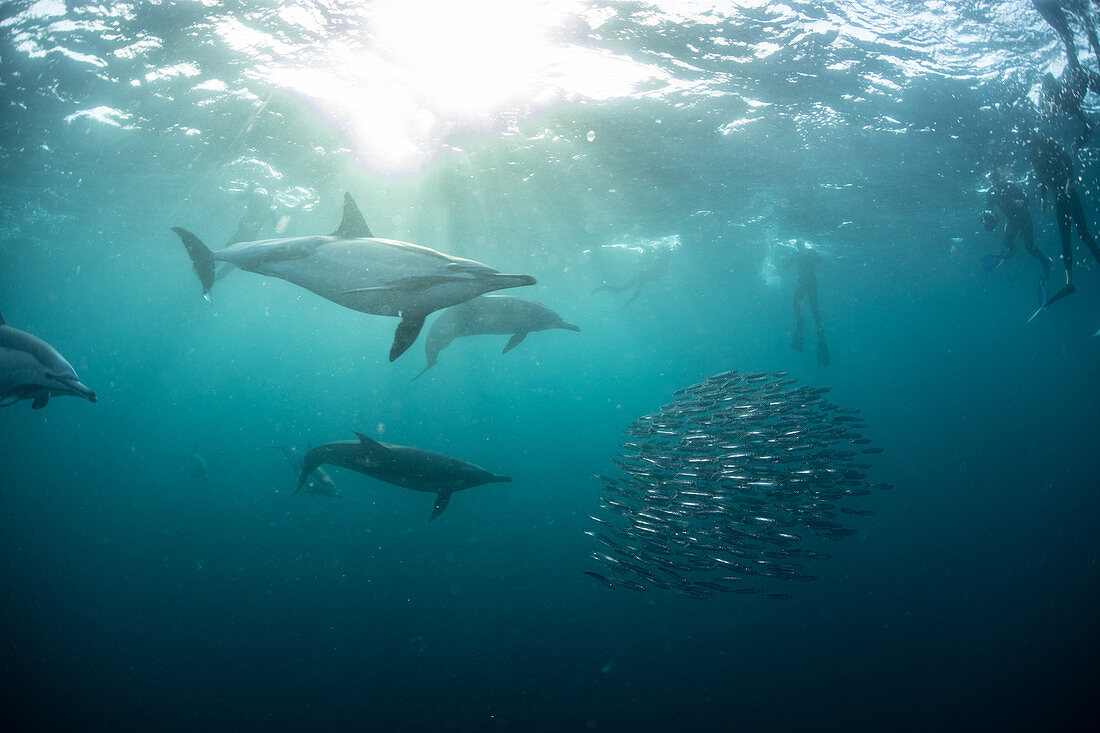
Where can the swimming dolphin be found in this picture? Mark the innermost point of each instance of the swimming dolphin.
(490, 314)
(319, 481)
(31, 369)
(196, 466)
(355, 269)
(411, 468)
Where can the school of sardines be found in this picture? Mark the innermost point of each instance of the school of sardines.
(719, 487)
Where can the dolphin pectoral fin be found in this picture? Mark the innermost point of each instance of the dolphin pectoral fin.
(40, 401)
(201, 258)
(442, 499)
(421, 374)
(516, 340)
(406, 334)
(353, 225)
(569, 326)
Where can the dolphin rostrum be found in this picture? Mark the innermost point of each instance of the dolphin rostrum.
(411, 468)
(490, 314)
(357, 270)
(31, 369)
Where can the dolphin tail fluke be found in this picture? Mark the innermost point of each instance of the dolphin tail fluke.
(442, 499)
(406, 334)
(310, 462)
(201, 257)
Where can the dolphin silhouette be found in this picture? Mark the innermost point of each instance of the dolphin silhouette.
(357, 270)
(410, 468)
(490, 314)
(31, 369)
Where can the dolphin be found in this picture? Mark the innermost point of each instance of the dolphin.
(490, 314)
(31, 369)
(319, 481)
(196, 466)
(357, 270)
(411, 468)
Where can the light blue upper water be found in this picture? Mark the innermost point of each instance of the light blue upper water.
(568, 141)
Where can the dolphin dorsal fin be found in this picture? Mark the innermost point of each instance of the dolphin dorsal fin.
(372, 447)
(353, 225)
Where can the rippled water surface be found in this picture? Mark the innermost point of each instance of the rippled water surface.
(583, 143)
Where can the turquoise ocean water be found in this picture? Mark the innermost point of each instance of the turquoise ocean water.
(577, 142)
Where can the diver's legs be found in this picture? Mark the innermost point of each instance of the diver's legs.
(1052, 12)
(1090, 31)
(796, 339)
(822, 349)
(1027, 235)
(1079, 219)
(1009, 242)
(812, 292)
(1062, 214)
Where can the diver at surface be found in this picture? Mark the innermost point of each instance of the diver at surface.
(1056, 13)
(806, 260)
(1013, 202)
(654, 270)
(1054, 169)
(1067, 93)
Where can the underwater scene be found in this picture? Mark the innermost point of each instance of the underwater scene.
(553, 365)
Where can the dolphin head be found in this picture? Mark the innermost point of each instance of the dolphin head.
(67, 384)
(477, 476)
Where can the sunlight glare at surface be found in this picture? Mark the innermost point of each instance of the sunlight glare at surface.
(422, 71)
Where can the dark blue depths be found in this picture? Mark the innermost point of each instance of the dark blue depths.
(137, 596)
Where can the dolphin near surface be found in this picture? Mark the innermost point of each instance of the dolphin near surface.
(31, 369)
(410, 468)
(490, 314)
(355, 269)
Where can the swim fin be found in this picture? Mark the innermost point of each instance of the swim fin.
(822, 352)
(1067, 290)
(992, 262)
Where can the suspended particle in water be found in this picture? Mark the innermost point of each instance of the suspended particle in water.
(591, 135)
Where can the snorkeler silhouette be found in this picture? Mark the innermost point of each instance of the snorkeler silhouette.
(655, 269)
(1012, 200)
(806, 260)
(1054, 169)
(1067, 93)
(1057, 12)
